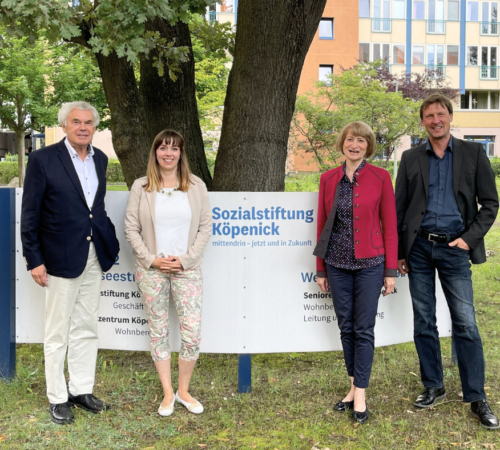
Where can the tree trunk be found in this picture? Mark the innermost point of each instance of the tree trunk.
(172, 104)
(128, 127)
(20, 156)
(139, 111)
(272, 40)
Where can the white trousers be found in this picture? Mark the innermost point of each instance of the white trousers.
(71, 312)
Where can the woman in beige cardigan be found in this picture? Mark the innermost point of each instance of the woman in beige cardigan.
(168, 224)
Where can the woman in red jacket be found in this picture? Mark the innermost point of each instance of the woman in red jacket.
(356, 253)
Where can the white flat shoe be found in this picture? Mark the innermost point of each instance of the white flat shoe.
(195, 408)
(166, 411)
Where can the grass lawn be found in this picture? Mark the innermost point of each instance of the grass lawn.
(291, 406)
(116, 187)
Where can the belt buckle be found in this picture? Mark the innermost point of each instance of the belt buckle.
(432, 235)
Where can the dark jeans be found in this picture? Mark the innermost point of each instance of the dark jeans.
(453, 267)
(355, 296)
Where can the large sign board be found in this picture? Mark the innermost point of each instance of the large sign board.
(260, 294)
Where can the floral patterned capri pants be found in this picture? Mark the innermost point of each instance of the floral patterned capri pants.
(187, 292)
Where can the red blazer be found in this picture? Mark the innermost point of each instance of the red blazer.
(374, 214)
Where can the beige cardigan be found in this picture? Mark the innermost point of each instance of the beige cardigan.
(140, 223)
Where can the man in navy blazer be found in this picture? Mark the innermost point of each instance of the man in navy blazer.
(68, 241)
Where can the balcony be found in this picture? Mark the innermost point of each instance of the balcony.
(435, 71)
(436, 27)
(221, 17)
(381, 25)
(488, 72)
(489, 29)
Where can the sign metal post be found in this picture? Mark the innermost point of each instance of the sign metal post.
(7, 283)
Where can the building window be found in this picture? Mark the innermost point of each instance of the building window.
(418, 10)
(364, 8)
(435, 55)
(326, 29)
(489, 18)
(227, 6)
(398, 54)
(453, 10)
(416, 141)
(472, 11)
(494, 97)
(480, 100)
(472, 56)
(398, 9)
(381, 51)
(381, 16)
(436, 23)
(418, 54)
(325, 73)
(488, 143)
(452, 53)
(364, 52)
(489, 68)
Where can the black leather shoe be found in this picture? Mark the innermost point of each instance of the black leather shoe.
(343, 406)
(361, 417)
(60, 413)
(429, 397)
(483, 412)
(88, 402)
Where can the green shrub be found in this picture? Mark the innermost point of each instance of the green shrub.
(8, 170)
(211, 155)
(10, 158)
(495, 165)
(114, 173)
(302, 183)
(387, 165)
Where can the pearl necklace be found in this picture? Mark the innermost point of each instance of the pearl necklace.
(170, 191)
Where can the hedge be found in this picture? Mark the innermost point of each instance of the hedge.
(114, 173)
(8, 170)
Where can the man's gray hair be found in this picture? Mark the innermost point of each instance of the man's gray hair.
(66, 108)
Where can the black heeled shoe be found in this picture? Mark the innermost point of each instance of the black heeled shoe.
(343, 406)
(361, 417)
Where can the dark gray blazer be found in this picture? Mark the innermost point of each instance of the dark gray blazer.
(473, 183)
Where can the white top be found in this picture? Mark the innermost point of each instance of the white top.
(172, 223)
(86, 172)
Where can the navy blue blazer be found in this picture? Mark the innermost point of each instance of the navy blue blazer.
(55, 219)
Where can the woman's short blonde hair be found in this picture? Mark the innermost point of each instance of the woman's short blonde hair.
(360, 129)
(169, 137)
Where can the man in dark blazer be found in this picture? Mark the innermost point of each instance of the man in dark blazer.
(440, 227)
(68, 241)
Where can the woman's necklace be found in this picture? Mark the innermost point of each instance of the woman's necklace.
(170, 191)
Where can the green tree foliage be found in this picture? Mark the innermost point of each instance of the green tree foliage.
(111, 26)
(213, 47)
(74, 76)
(356, 94)
(35, 78)
(24, 104)
(155, 35)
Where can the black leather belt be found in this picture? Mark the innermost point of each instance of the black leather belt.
(438, 237)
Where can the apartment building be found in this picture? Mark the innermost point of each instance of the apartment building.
(335, 46)
(458, 38)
